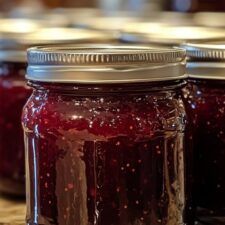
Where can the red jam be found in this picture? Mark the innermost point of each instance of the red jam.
(105, 154)
(13, 95)
(206, 105)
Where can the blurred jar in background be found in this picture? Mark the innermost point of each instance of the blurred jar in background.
(205, 100)
(194, 5)
(13, 95)
(14, 92)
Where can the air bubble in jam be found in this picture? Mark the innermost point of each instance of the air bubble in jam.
(102, 174)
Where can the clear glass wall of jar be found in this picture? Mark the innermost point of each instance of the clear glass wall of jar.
(205, 99)
(104, 138)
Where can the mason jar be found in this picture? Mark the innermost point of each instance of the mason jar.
(13, 95)
(104, 134)
(205, 100)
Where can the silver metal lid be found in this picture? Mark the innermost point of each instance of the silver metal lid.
(206, 61)
(172, 35)
(105, 64)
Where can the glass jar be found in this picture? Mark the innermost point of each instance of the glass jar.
(13, 95)
(104, 132)
(205, 99)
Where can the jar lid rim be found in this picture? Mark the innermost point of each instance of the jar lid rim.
(105, 63)
(103, 54)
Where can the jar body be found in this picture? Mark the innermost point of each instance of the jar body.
(205, 104)
(13, 95)
(104, 155)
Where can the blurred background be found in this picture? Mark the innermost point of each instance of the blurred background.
(98, 14)
(110, 6)
(26, 23)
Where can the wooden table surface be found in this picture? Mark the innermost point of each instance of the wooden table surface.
(12, 212)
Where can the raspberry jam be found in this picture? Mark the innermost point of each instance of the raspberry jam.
(104, 153)
(205, 95)
(13, 95)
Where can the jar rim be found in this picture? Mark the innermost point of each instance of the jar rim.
(105, 63)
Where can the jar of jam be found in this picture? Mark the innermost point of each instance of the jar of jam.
(104, 135)
(14, 92)
(13, 96)
(205, 100)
